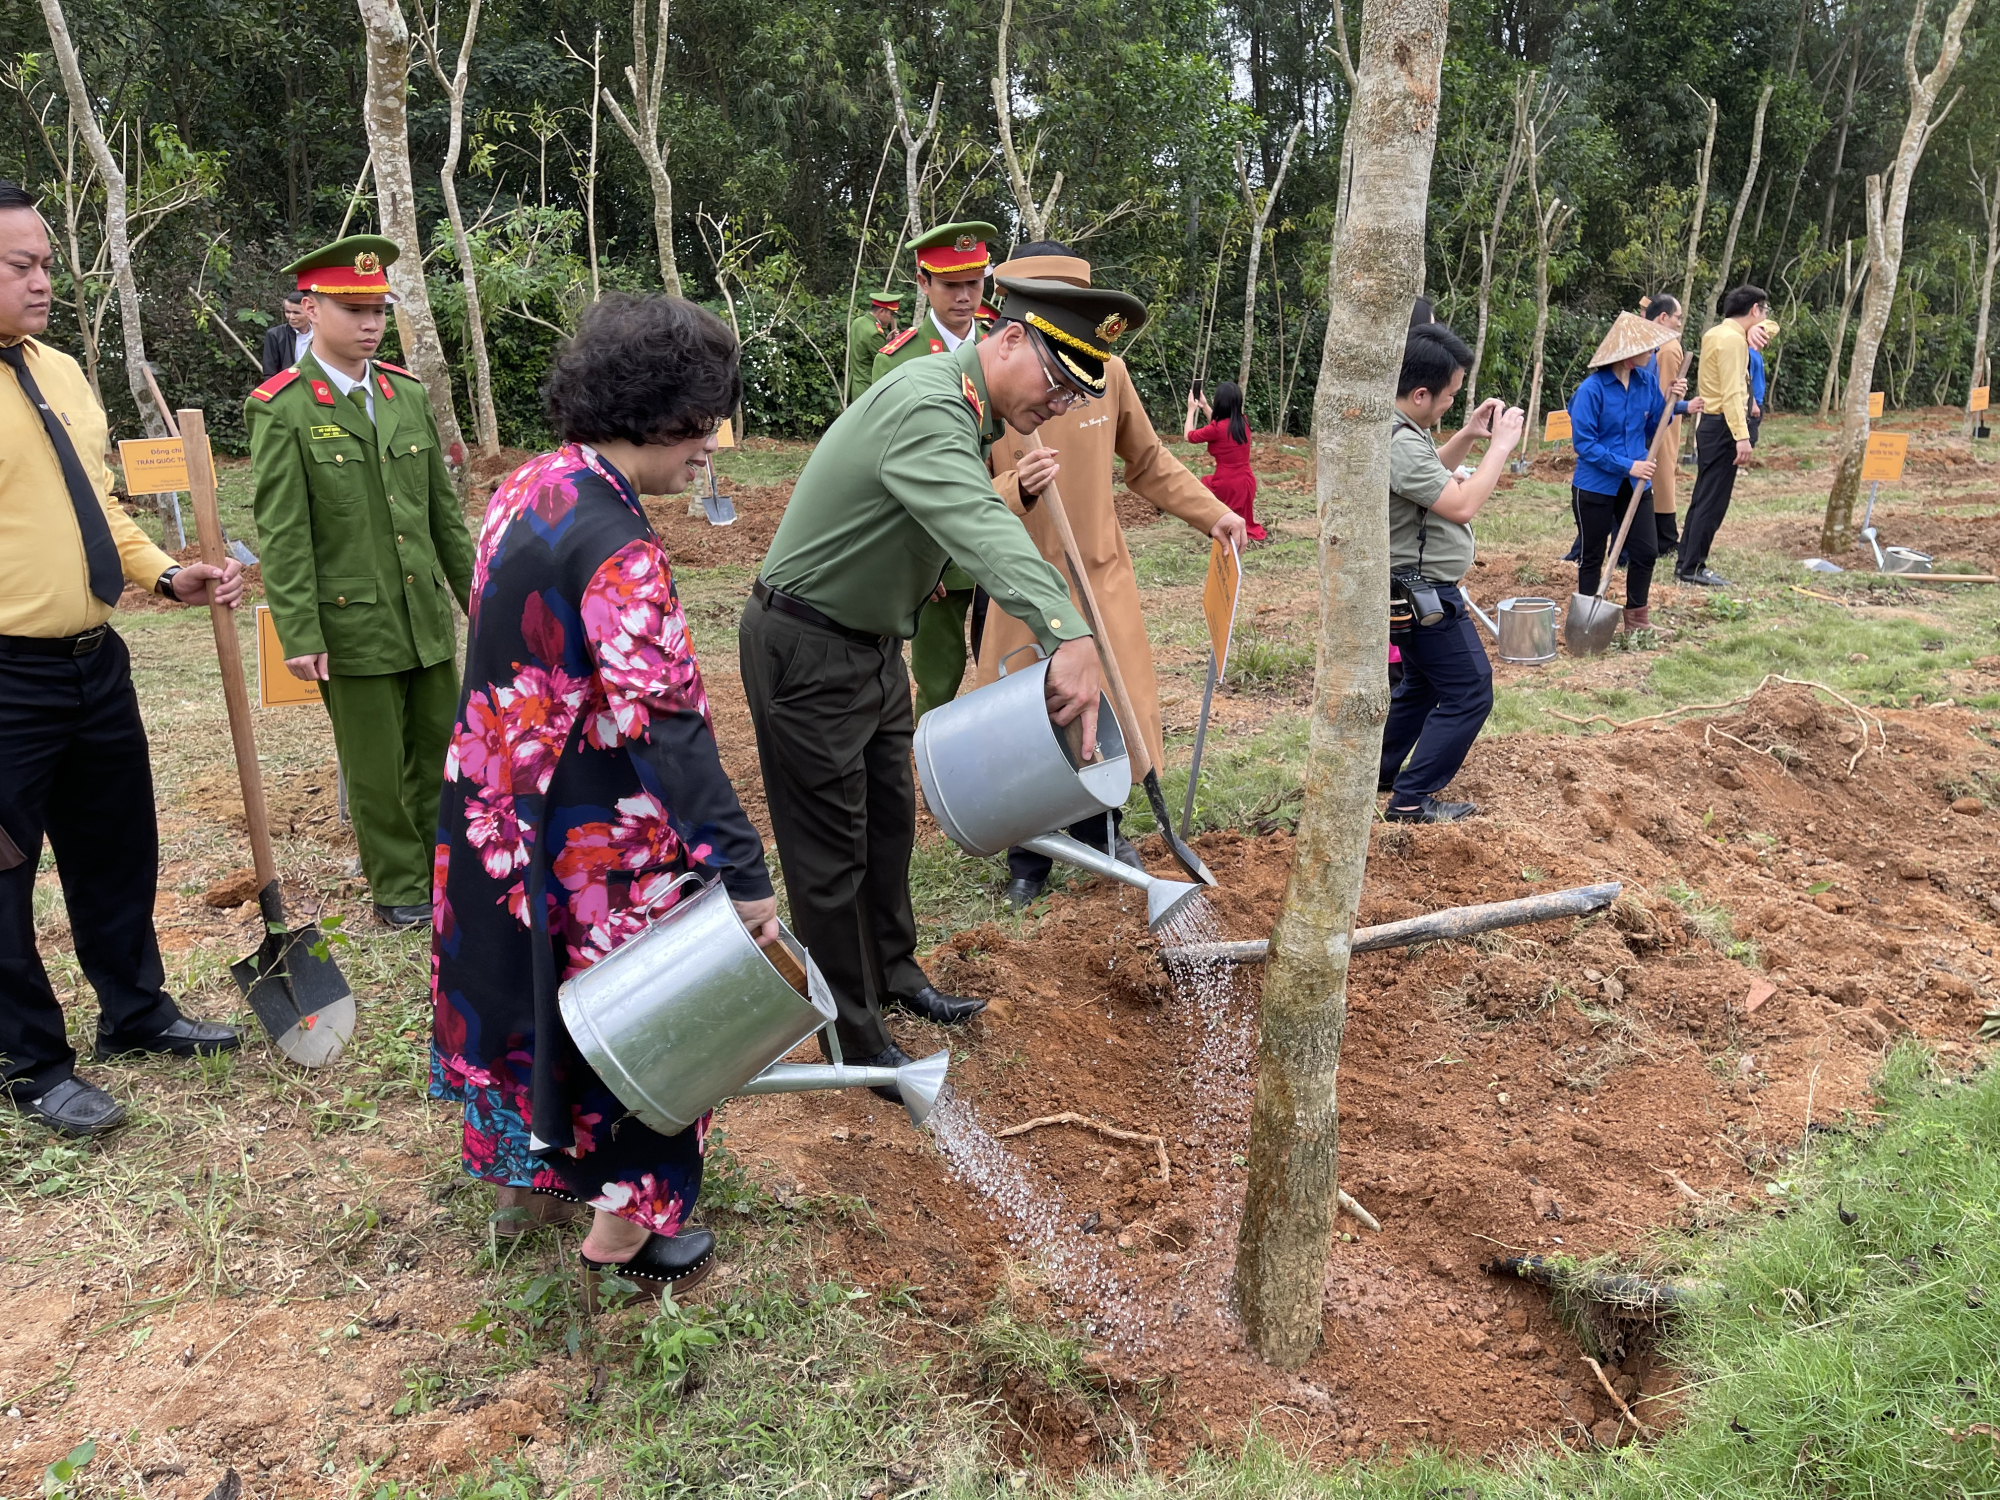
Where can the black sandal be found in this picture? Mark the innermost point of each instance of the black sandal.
(680, 1261)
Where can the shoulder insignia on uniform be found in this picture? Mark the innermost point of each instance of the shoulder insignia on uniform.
(322, 393)
(383, 364)
(899, 340)
(972, 398)
(275, 384)
(382, 384)
(937, 346)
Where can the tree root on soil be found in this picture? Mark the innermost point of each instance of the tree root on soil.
(1158, 1143)
(1862, 717)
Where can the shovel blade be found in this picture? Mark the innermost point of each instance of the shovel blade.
(1590, 624)
(720, 509)
(1183, 855)
(299, 995)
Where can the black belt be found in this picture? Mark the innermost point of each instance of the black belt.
(55, 645)
(798, 609)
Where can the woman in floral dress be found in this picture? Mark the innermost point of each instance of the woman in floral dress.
(582, 779)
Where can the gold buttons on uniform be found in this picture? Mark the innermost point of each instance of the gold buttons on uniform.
(410, 578)
(340, 458)
(399, 538)
(413, 447)
(1055, 624)
(341, 600)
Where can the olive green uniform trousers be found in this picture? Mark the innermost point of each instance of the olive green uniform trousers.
(937, 651)
(391, 730)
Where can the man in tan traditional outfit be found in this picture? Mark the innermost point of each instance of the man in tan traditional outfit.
(1084, 439)
(1670, 365)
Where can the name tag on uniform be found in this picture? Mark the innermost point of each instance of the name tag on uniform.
(329, 432)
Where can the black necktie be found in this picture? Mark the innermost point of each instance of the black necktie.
(107, 574)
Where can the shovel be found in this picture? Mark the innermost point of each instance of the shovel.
(1114, 680)
(1591, 622)
(291, 981)
(719, 508)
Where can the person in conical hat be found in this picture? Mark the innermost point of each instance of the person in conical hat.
(1613, 418)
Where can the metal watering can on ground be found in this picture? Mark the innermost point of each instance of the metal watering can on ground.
(692, 1011)
(996, 772)
(1527, 629)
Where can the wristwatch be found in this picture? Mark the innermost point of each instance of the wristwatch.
(164, 584)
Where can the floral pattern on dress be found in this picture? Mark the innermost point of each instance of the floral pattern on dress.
(582, 763)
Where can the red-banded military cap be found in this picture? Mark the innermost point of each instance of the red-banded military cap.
(954, 249)
(357, 266)
(887, 300)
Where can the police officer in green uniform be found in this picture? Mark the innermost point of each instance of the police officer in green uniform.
(364, 548)
(952, 264)
(865, 337)
(897, 486)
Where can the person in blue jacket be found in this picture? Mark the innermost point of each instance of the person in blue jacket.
(1613, 417)
(1760, 335)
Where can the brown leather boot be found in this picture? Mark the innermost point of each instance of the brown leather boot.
(1640, 618)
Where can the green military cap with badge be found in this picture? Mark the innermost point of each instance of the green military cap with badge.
(356, 266)
(954, 249)
(1079, 325)
(885, 299)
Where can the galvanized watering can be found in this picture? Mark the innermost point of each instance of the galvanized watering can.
(1526, 631)
(996, 772)
(692, 1012)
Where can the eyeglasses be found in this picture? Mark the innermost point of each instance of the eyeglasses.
(1065, 397)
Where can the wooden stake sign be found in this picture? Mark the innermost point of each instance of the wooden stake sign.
(1558, 428)
(1874, 403)
(156, 466)
(1978, 401)
(1883, 462)
(277, 687)
(1218, 599)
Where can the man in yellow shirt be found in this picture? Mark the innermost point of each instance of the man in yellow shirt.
(1722, 439)
(73, 755)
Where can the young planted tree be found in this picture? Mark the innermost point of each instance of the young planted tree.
(385, 114)
(1260, 219)
(1551, 220)
(1742, 198)
(1489, 241)
(1850, 285)
(1888, 203)
(647, 79)
(1694, 224)
(1989, 201)
(117, 221)
(913, 152)
(1377, 266)
(483, 419)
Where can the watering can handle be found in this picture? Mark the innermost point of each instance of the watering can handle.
(1034, 646)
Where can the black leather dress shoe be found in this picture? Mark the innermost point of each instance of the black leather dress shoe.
(680, 1261)
(185, 1038)
(1706, 578)
(890, 1056)
(932, 1004)
(402, 916)
(1023, 893)
(75, 1108)
(1430, 810)
(1126, 854)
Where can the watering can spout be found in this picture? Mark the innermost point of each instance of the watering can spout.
(1164, 898)
(918, 1082)
(1484, 619)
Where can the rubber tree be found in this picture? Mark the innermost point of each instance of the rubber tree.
(1260, 220)
(117, 218)
(1377, 268)
(1742, 198)
(385, 115)
(484, 422)
(1888, 201)
(1551, 221)
(1694, 220)
(1035, 217)
(1489, 242)
(647, 79)
(1989, 201)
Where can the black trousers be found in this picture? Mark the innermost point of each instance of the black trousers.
(1714, 483)
(74, 765)
(834, 726)
(1600, 516)
(1440, 705)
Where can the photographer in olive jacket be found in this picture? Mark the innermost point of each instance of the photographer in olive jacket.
(1447, 687)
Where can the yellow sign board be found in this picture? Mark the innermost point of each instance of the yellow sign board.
(1874, 403)
(1558, 429)
(1884, 460)
(276, 686)
(725, 435)
(1978, 401)
(155, 466)
(1218, 599)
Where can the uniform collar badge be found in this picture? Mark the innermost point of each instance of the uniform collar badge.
(322, 393)
(382, 382)
(972, 398)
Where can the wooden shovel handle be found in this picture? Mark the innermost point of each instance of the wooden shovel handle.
(208, 527)
(1618, 546)
(1114, 680)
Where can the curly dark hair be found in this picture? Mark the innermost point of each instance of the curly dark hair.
(653, 369)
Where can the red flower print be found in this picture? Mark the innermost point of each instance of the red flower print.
(638, 635)
(479, 1148)
(642, 834)
(542, 631)
(585, 867)
(492, 829)
(461, 1074)
(581, 1123)
(646, 1203)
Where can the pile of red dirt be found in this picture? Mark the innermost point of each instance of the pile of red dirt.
(1563, 1087)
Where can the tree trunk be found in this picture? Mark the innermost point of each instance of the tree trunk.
(483, 418)
(1694, 227)
(1849, 285)
(1489, 243)
(1989, 199)
(1033, 225)
(1742, 198)
(1888, 203)
(913, 152)
(1261, 218)
(1378, 251)
(1549, 223)
(1846, 117)
(384, 113)
(647, 79)
(117, 227)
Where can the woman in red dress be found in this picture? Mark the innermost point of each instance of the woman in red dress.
(1227, 436)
